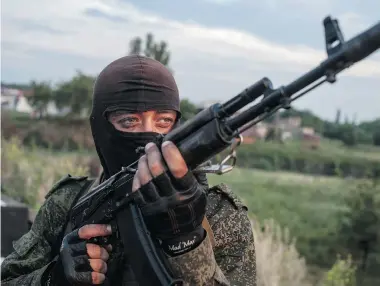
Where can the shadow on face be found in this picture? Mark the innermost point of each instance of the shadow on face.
(159, 121)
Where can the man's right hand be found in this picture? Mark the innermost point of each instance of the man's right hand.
(80, 262)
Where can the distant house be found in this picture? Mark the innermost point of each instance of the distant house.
(289, 123)
(309, 138)
(22, 105)
(10, 98)
(17, 100)
(256, 132)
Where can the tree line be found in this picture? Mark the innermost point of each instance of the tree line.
(75, 95)
(346, 130)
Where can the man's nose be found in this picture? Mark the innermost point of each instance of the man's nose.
(148, 126)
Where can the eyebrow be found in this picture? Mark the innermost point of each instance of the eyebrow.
(122, 112)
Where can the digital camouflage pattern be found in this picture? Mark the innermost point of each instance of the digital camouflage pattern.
(232, 261)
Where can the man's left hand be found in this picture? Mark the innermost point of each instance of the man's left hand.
(172, 201)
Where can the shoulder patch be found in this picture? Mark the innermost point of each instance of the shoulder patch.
(63, 181)
(229, 194)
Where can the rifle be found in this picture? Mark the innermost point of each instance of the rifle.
(208, 133)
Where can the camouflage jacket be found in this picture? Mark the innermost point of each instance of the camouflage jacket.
(231, 261)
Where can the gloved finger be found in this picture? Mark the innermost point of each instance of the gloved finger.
(185, 183)
(143, 171)
(81, 263)
(71, 238)
(80, 278)
(164, 185)
(78, 248)
(139, 199)
(95, 251)
(154, 158)
(93, 230)
(149, 192)
(174, 160)
(98, 265)
(97, 278)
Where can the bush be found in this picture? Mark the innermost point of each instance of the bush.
(28, 174)
(277, 259)
(341, 274)
(292, 157)
(359, 230)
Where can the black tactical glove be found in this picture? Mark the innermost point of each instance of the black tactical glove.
(173, 210)
(73, 265)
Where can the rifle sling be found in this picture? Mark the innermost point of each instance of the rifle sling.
(207, 227)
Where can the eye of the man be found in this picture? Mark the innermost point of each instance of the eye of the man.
(128, 120)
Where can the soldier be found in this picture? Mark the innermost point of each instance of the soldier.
(136, 98)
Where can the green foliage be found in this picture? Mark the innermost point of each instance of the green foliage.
(188, 109)
(376, 138)
(41, 95)
(337, 116)
(359, 232)
(158, 51)
(309, 206)
(348, 134)
(370, 126)
(330, 159)
(29, 173)
(75, 93)
(342, 273)
(135, 46)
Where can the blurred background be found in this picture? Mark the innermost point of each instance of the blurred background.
(309, 175)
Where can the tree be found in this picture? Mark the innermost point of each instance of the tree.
(188, 109)
(342, 273)
(41, 95)
(359, 232)
(75, 94)
(337, 117)
(157, 51)
(376, 138)
(135, 46)
(348, 134)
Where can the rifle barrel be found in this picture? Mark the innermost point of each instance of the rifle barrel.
(350, 52)
(245, 97)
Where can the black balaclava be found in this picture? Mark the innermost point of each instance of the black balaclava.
(136, 84)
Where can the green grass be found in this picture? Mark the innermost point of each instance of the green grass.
(360, 150)
(336, 148)
(309, 206)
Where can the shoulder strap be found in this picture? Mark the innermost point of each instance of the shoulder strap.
(207, 227)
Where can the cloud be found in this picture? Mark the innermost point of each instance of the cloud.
(222, 2)
(210, 63)
(305, 8)
(102, 30)
(352, 23)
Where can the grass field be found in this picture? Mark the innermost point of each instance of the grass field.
(310, 206)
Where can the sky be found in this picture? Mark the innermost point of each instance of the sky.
(218, 47)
